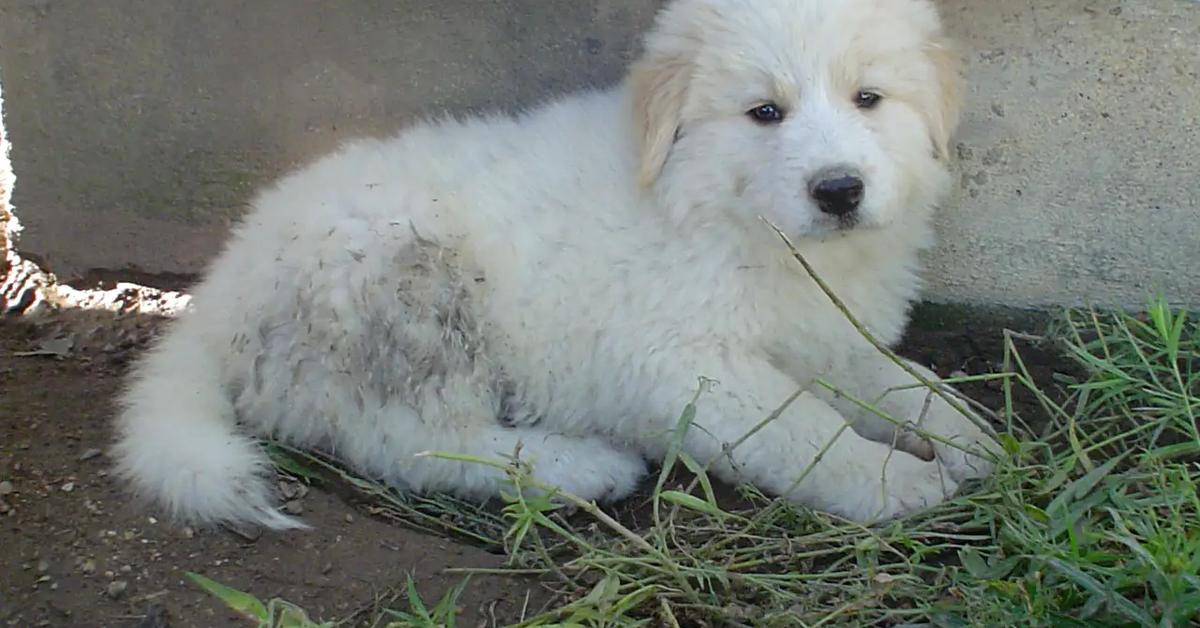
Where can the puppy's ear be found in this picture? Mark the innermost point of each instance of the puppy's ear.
(658, 82)
(946, 101)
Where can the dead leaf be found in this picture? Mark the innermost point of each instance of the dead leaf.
(57, 348)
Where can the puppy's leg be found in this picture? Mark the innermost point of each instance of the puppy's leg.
(881, 382)
(808, 453)
(587, 466)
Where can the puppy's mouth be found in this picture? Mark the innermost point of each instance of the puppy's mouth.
(848, 222)
(840, 225)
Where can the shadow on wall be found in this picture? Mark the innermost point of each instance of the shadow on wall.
(153, 123)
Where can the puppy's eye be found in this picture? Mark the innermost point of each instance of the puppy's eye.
(867, 99)
(768, 113)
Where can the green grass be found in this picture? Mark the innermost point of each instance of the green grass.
(1091, 518)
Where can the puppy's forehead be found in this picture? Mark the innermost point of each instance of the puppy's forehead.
(808, 36)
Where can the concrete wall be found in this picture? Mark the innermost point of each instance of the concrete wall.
(140, 127)
(1080, 154)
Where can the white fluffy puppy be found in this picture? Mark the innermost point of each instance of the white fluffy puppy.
(563, 279)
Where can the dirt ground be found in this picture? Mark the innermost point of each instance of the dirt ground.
(76, 551)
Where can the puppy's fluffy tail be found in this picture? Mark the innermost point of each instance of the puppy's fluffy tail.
(179, 446)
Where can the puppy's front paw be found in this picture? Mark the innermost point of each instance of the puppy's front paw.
(905, 485)
(967, 465)
(967, 455)
(911, 484)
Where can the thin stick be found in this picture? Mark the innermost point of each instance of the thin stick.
(865, 333)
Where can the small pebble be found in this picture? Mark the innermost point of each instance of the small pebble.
(294, 507)
(88, 566)
(89, 454)
(349, 518)
(43, 566)
(188, 532)
(326, 568)
(68, 487)
(4, 507)
(116, 589)
(6, 488)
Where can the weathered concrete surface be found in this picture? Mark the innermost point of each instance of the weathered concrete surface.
(1080, 154)
(141, 126)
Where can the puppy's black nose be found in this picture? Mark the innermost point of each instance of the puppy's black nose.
(837, 194)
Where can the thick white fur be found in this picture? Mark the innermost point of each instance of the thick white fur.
(562, 280)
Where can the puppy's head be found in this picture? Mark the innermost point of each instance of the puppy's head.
(819, 115)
